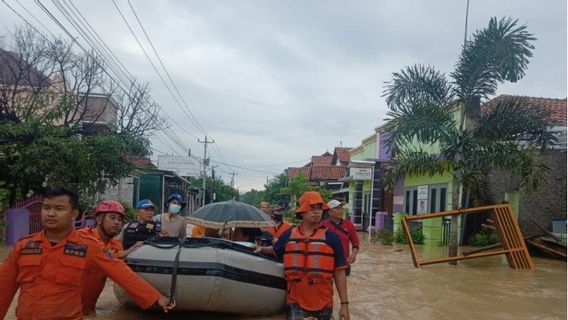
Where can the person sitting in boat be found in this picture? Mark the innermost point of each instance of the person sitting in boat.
(310, 280)
(245, 236)
(277, 215)
(173, 225)
(141, 229)
(109, 215)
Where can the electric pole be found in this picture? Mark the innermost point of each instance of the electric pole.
(233, 181)
(213, 197)
(205, 164)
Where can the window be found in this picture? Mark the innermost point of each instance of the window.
(436, 199)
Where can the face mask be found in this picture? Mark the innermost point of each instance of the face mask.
(277, 217)
(175, 208)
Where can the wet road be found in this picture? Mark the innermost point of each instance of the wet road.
(385, 285)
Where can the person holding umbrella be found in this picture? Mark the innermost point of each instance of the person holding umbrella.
(277, 215)
(313, 261)
(173, 225)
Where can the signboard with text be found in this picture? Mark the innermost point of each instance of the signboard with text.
(422, 206)
(183, 166)
(361, 173)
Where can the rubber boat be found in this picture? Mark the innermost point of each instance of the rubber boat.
(209, 274)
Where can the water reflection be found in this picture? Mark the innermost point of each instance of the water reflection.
(385, 285)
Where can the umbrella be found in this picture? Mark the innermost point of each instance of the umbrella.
(229, 214)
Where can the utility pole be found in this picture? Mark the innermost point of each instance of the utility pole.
(233, 181)
(205, 164)
(213, 196)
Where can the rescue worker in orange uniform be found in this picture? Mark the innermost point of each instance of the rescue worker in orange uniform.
(48, 266)
(277, 216)
(313, 260)
(110, 219)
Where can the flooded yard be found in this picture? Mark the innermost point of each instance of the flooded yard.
(385, 285)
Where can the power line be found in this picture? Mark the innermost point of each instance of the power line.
(245, 168)
(152, 63)
(166, 70)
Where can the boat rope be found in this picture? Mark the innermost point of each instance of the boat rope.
(175, 271)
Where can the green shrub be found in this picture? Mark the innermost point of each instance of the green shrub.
(383, 236)
(416, 233)
(483, 238)
(130, 212)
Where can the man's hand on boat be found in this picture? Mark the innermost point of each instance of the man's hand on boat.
(164, 303)
(261, 249)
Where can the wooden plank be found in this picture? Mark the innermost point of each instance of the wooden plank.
(503, 237)
(545, 248)
(456, 212)
(521, 240)
(471, 256)
(406, 229)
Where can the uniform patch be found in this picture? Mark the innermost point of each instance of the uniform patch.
(108, 253)
(77, 250)
(32, 247)
(150, 226)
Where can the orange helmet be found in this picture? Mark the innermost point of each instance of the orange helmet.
(308, 199)
(110, 206)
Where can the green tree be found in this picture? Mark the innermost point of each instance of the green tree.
(253, 197)
(273, 190)
(510, 136)
(223, 192)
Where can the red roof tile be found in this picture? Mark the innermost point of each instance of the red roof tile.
(342, 155)
(324, 160)
(327, 173)
(556, 107)
(140, 162)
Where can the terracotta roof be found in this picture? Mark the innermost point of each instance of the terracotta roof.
(292, 172)
(341, 154)
(323, 160)
(556, 107)
(328, 173)
(14, 69)
(140, 162)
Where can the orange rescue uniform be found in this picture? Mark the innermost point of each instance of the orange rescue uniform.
(94, 281)
(49, 276)
(277, 232)
(309, 265)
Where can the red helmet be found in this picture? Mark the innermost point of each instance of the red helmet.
(110, 206)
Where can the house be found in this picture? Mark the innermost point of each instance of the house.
(325, 170)
(370, 162)
(546, 206)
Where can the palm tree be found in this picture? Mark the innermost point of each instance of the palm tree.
(426, 109)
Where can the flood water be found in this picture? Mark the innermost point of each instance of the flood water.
(385, 285)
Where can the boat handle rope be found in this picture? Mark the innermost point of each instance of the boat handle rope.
(175, 271)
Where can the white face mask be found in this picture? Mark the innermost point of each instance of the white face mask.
(175, 208)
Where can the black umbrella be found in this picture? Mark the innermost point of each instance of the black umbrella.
(229, 214)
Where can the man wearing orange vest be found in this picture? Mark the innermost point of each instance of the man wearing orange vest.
(276, 214)
(313, 259)
(48, 266)
(110, 219)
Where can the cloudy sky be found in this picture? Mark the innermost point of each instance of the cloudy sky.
(275, 82)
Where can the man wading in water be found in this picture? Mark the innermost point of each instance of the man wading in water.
(313, 259)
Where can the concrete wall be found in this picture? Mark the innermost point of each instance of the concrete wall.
(544, 205)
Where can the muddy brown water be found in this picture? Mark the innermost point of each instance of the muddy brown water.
(385, 285)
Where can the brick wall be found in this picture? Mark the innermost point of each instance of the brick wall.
(542, 206)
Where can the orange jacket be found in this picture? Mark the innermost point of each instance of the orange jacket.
(276, 232)
(308, 268)
(198, 232)
(49, 276)
(94, 280)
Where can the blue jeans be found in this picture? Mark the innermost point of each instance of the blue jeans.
(295, 312)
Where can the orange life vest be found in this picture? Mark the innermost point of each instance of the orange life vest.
(308, 258)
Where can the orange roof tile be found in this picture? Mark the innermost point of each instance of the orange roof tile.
(556, 107)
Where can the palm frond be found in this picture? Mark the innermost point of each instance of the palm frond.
(513, 119)
(417, 162)
(497, 53)
(417, 83)
(421, 122)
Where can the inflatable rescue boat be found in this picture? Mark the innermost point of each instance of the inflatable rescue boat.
(209, 274)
